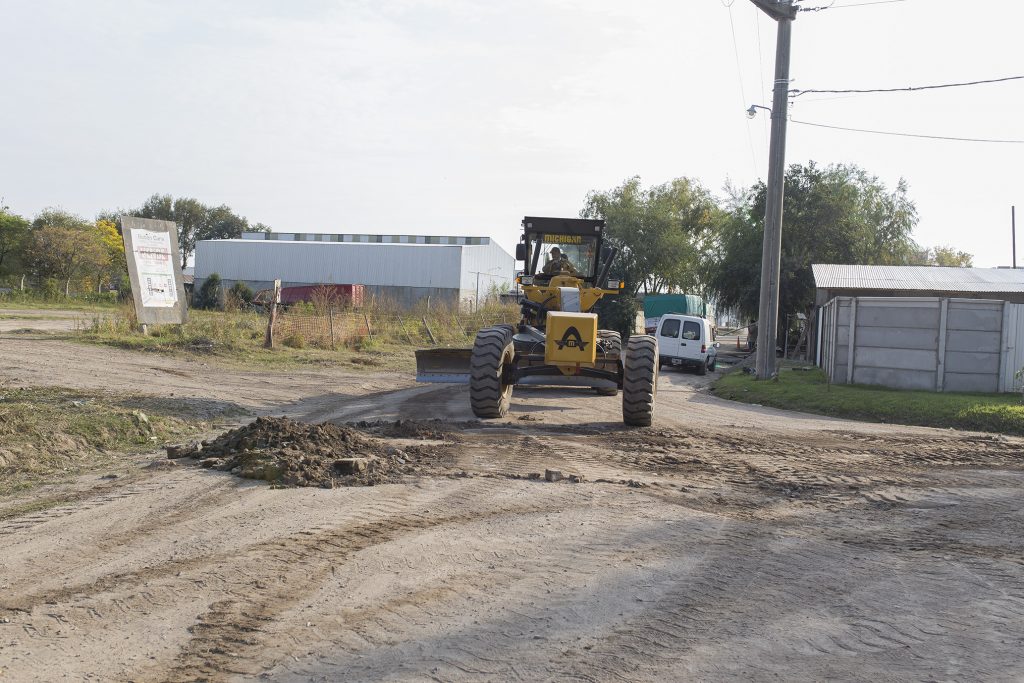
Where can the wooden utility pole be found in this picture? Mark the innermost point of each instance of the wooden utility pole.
(783, 12)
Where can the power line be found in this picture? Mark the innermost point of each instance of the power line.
(909, 135)
(857, 4)
(797, 93)
(760, 61)
(743, 91)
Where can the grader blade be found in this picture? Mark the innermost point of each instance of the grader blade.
(443, 365)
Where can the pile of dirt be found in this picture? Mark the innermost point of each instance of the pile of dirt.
(290, 453)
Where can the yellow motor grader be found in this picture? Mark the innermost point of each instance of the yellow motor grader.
(557, 341)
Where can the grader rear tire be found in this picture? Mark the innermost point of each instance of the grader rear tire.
(611, 343)
(489, 395)
(640, 380)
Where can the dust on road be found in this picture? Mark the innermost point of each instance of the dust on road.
(726, 542)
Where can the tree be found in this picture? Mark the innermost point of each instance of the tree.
(196, 221)
(14, 237)
(222, 224)
(837, 214)
(190, 216)
(942, 256)
(661, 232)
(115, 268)
(65, 247)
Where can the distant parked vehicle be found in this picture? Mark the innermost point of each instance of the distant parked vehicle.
(687, 341)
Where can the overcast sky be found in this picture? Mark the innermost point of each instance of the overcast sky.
(460, 116)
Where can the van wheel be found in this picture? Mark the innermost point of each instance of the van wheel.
(713, 364)
(702, 369)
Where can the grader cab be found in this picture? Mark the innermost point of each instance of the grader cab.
(557, 341)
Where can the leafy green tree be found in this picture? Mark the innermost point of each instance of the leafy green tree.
(196, 221)
(661, 232)
(221, 224)
(14, 237)
(66, 248)
(836, 214)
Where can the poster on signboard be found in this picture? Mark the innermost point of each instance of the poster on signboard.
(155, 262)
(154, 268)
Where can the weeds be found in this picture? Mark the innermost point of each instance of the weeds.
(314, 332)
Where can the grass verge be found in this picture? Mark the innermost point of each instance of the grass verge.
(50, 434)
(809, 392)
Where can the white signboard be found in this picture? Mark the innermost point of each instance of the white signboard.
(155, 262)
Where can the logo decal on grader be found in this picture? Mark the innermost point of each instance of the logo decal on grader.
(572, 339)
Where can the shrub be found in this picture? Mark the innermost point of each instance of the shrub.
(209, 295)
(241, 292)
(294, 341)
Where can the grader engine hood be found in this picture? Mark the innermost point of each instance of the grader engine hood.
(571, 338)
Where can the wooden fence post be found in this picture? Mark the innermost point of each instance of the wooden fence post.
(330, 318)
(369, 332)
(268, 342)
(429, 333)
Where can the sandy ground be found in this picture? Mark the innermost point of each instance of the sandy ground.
(21, 320)
(728, 542)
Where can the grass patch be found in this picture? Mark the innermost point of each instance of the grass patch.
(48, 434)
(809, 392)
(34, 300)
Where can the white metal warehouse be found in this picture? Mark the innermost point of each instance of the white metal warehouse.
(402, 268)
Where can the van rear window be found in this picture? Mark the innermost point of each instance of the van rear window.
(670, 328)
(691, 330)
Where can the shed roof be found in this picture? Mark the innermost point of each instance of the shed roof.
(918, 278)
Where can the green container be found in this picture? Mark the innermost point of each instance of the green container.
(657, 305)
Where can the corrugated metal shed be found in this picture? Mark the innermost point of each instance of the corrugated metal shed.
(918, 278)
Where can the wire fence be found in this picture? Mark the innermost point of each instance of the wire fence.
(332, 329)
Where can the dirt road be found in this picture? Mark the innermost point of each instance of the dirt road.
(727, 542)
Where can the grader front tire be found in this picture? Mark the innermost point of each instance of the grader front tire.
(640, 380)
(489, 395)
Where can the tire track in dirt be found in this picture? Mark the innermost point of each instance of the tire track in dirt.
(227, 636)
(519, 608)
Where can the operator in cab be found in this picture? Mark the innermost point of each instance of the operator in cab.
(559, 264)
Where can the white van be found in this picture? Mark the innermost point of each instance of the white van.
(687, 340)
